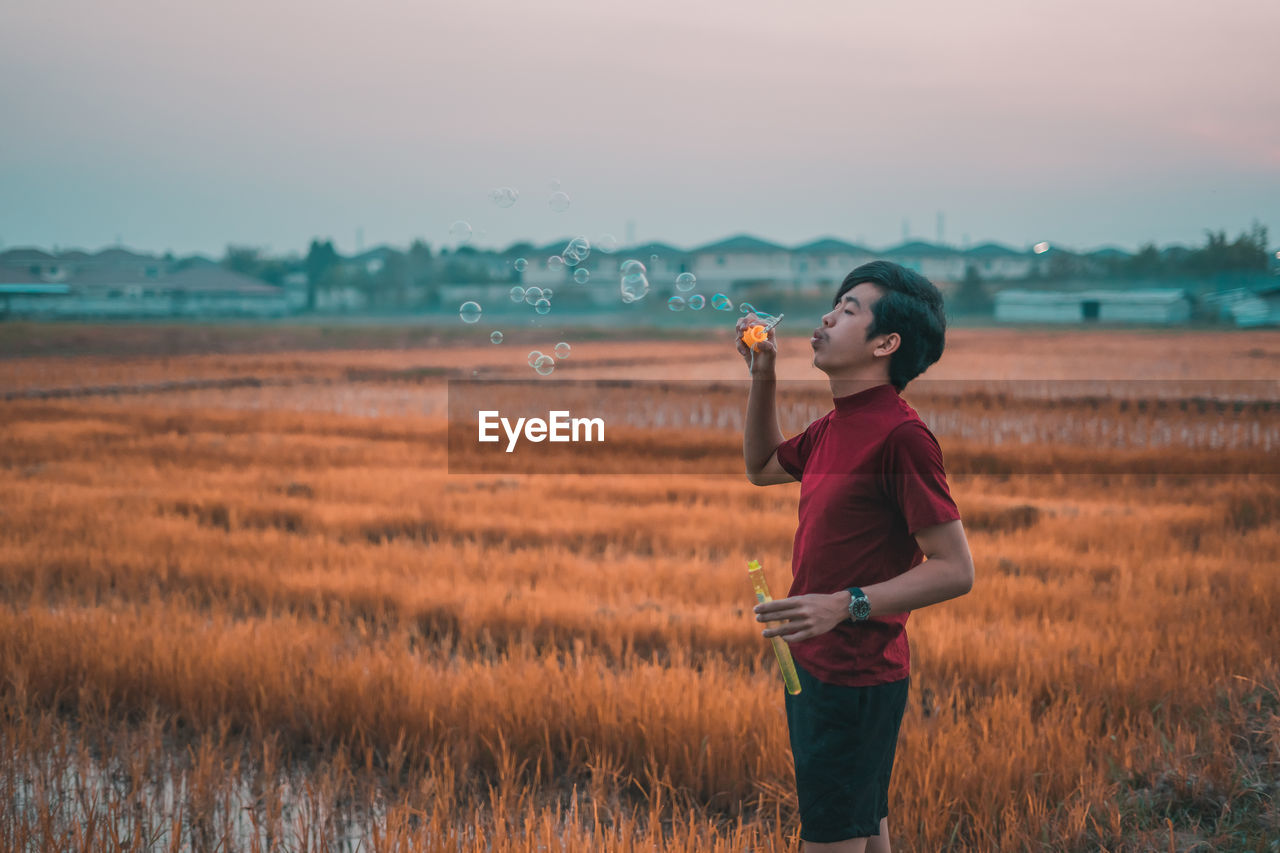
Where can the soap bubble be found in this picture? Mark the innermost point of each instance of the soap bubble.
(542, 306)
(532, 295)
(697, 301)
(747, 308)
(545, 365)
(577, 251)
(495, 338)
(521, 265)
(503, 196)
(517, 294)
(460, 231)
(686, 282)
(581, 276)
(720, 302)
(534, 355)
(562, 350)
(559, 201)
(548, 292)
(634, 287)
(607, 243)
(469, 312)
(633, 267)
(555, 263)
(653, 259)
(676, 303)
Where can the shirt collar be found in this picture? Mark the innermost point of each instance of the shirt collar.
(864, 398)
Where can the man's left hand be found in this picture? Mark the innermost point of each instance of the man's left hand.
(806, 615)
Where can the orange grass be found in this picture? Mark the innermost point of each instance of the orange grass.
(281, 629)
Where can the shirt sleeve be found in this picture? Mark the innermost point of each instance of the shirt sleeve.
(793, 454)
(915, 479)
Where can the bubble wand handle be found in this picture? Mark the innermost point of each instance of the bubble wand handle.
(780, 647)
(759, 333)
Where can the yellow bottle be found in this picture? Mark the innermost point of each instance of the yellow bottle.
(780, 647)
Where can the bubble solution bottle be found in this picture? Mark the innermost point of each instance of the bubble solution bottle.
(780, 648)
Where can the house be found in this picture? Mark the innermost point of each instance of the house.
(935, 262)
(737, 263)
(1158, 306)
(994, 261)
(123, 284)
(818, 267)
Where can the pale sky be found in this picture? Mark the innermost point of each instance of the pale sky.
(188, 126)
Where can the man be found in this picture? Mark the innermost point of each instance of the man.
(874, 504)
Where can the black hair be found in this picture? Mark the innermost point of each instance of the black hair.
(910, 305)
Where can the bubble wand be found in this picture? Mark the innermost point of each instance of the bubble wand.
(759, 333)
(780, 648)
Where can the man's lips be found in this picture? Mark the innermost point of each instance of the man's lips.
(816, 338)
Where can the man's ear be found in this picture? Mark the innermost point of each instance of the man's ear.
(891, 343)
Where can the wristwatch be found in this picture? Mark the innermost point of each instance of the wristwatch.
(859, 607)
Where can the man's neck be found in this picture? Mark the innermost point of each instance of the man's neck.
(843, 386)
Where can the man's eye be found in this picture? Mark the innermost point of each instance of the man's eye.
(848, 312)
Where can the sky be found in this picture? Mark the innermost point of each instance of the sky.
(190, 127)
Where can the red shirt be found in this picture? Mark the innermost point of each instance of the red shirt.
(871, 475)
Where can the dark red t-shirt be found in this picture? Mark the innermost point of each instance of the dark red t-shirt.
(871, 475)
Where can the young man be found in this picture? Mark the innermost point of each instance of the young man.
(874, 504)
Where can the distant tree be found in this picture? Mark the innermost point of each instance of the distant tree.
(246, 260)
(321, 260)
(970, 296)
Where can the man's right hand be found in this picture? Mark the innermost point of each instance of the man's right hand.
(761, 361)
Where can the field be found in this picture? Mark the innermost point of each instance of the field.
(247, 605)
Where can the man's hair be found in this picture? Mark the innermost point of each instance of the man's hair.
(910, 305)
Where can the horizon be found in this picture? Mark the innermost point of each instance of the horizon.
(1091, 126)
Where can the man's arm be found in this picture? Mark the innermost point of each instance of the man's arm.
(761, 434)
(946, 573)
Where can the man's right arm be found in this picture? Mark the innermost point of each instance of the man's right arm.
(762, 435)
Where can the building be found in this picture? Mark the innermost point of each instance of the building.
(117, 283)
(1158, 306)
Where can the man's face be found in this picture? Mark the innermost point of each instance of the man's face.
(840, 344)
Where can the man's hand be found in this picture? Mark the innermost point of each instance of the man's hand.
(807, 615)
(766, 352)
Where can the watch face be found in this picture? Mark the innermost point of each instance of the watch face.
(860, 608)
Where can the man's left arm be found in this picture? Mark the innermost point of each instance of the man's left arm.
(946, 573)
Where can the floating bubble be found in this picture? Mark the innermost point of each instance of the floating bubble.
(632, 267)
(495, 338)
(545, 365)
(634, 287)
(521, 265)
(607, 243)
(532, 295)
(653, 259)
(1041, 248)
(576, 251)
(517, 294)
(534, 355)
(542, 306)
(460, 231)
(720, 302)
(697, 301)
(686, 281)
(503, 196)
(469, 312)
(562, 350)
(747, 308)
(559, 201)
(581, 276)
(676, 303)
(555, 263)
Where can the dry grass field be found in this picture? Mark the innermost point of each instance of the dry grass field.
(247, 607)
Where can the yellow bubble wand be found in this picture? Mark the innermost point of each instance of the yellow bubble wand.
(780, 648)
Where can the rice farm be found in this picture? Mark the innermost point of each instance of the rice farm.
(254, 601)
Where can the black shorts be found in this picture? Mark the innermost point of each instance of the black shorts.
(843, 740)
